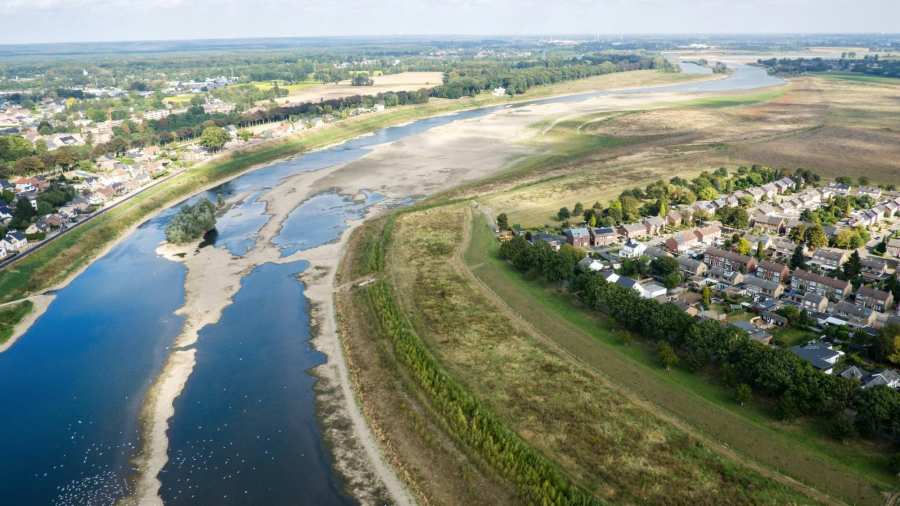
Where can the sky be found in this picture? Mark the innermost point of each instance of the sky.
(29, 21)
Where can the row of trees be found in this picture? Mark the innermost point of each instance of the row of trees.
(796, 388)
(870, 65)
(536, 478)
(470, 79)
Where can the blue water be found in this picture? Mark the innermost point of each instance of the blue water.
(242, 432)
(72, 387)
(320, 220)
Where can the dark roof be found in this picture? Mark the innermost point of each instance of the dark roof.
(822, 280)
(761, 283)
(817, 353)
(604, 231)
(15, 234)
(626, 282)
(872, 293)
(771, 266)
(730, 255)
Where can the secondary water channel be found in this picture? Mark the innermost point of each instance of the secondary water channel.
(245, 428)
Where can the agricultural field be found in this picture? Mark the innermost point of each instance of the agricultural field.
(405, 81)
(830, 125)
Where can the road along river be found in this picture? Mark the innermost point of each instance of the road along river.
(184, 375)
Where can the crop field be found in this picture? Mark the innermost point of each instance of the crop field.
(607, 440)
(830, 125)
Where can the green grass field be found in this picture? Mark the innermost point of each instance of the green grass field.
(737, 100)
(855, 473)
(10, 316)
(859, 78)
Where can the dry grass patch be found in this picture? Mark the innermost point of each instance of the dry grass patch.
(604, 440)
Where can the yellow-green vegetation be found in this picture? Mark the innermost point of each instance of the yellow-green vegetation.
(832, 126)
(602, 438)
(853, 472)
(290, 87)
(66, 255)
(10, 316)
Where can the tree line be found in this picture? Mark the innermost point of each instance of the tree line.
(794, 386)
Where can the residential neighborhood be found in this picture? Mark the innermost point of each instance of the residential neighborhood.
(749, 274)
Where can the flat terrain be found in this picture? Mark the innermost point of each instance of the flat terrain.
(831, 125)
(854, 472)
(607, 439)
(404, 81)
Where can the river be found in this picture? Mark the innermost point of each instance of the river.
(245, 429)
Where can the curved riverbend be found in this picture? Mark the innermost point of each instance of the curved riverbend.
(76, 383)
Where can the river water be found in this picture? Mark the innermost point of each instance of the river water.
(244, 430)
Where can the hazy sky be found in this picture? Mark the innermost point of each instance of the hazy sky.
(104, 20)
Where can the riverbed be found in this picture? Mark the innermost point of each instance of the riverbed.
(244, 429)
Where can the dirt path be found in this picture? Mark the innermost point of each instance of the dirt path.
(525, 325)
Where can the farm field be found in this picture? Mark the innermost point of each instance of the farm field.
(404, 81)
(830, 125)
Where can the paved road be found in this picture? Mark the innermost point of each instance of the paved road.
(10, 260)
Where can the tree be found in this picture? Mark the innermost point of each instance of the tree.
(245, 135)
(29, 165)
(663, 205)
(815, 236)
(743, 393)
(563, 214)
(743, 246)
(578, 210)
(362, 79)
(14, 147)
(663, 266)
(760, 250)
(191, 222)
(798, 259)
(707, 296)
(672, 280)
(841, 427)
(852, 267)
(707, 193)
(214, 138)
(502, 221)
(666, 355)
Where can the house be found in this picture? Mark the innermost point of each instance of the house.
(16, 240)
(804, 281)
(682, 241)
(820, 354)
(854, 373)
(769, 222)
(690, 267)
(887, 377)
(784, 184)
(725, 279)
(654, 224)
(709, 233)
(609, 275)
(772, 271)
(785, 247)
(3, 251)
(603, 236)
(632, 249)
(773, 318)
(814, 303)
(634, 230)
(857, 316)
(829, 259)
(873, 299)
(555, 241)
(654, 252)
(6, 213)
(653, 290)
(588, 264)
(578, 237)
(728, 260)
(756, 240)
(758, 286)
(874, 269)
(755, 333)
(893, 247)
(674, 219)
